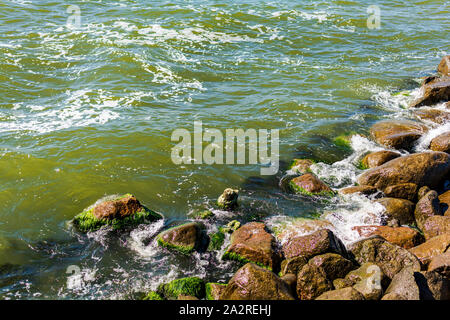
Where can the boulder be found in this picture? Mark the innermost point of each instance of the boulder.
(309, 184)
(426, 207)
(432, 285)
(435, 226)
(116, 212)
(378, 158)
(228, 200)
(431, 248)
(441, 264)
(403, 286)
(426, 168)
(441, 143)
(191, 286)
(397, 209)
(185, 238)
(365, 190)
(435, 91)
(444, 66)
(444, 200)
(252, 282)
(334, 265)
(319, 242)
(252, 243)
(291, 280)
(214, 290)
(422, 191)
(186, 297)
(301, 166)
(341, 294)
(397, 134)
(293, 227)
(292, 265)
(404, 237)
(434, 115)
(368, 279)
(389, 257)
(406, 191)
(312, 281)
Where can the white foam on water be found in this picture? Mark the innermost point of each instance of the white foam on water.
(143, 232)
(424, 142)
(394, 101)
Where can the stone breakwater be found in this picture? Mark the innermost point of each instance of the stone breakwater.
(405, 257)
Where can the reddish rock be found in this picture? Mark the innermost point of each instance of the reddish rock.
(378, 158)
(426, 207)
(403, 191)
(301, 166)
(431, 248)
(402, 236)
(435, 226)
(441, 143)
(397, 134)
(398, 209)
(309, 184)
(117, 209)
(441, 264)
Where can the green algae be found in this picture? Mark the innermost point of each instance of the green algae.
(299, 190)
(228, 255)
(216, 241)
(153, 295)
(191, 286)
(208, 289)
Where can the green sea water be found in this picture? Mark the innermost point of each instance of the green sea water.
(88, 110)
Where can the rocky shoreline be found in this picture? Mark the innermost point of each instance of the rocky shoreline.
(406, 257)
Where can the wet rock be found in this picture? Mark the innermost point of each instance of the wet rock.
(441, 264)
(312, 281)
(426, 207)
(191, 286)
(230, 227)
(252, 243)
(252, 282)
(434, 92)
(401, 236)
(444, 200)
(293, 227)
(422, 191)
(389, 257)
(378, 158)
(309, 184)
(217, 240)
(434, 115)
(403, 286)
(116, 212)
(185, 238)
(426, 168)
(444, 66)
(406, 191)
(431, 248)
(365, 190)
(292, 265)
(368, 279)
(341, 294)
(319, 242)
(334, 265)
(398, 209)
(291, 280)
(203, 214)
(432, 285)
(301, 166)
(435, 226)
(441, 143)
(214, 290)
(228, 200)
(397, 134)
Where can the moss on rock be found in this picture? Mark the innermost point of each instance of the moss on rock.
(191, 286)
(153, 295)
(213, 290)
(203, 214)
(184, 238)
(216, 240)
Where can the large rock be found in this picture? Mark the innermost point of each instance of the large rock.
(294, 227)
(252, 243)
(292, 265)
(444, 200)
(367, 279)
(389, 257)
(365, 190)
(116, 212)
(185, 238)
(441, 264)
(427, 207)
(431, 248)
(435, 226)
(378, 158)
(309, 184)
(319, 242)
(444, 66)
(434, 115)
(435, 91)
(334, 265)
(397, 134)
(403, 286)
(191, 286)
(441, 143)
(228, 200)
(426, 168)
(252, 282)
(406, 191)
(401, 236)
(341, 294)
(397, 209)
(432, 285)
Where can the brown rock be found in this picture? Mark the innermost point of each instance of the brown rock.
(431, 248)
(406, 191)
(398, 134)
(401, 236)
(312, 282)
(319, 242)
(441, 264)
(441, 143)
(341, 294)
(334, 265)
(297, 226)
(365, 190)
(293, 265)
(444, 200)
(184, 238)
(309, 183)
(378, 158)
(444, 66)
(435, 226)
(367, 279)
(426, 207)
(291, 280)
(252, 282)
(214, 290)
(186, 297)
(433, 92)
(228, 200)
(434, 115)
(119, 208)
(252, 243)
(426, 168)
(422, 191)
(398, 209)
(301, 166)
(403, 286)
(389, 257)
(432, 285)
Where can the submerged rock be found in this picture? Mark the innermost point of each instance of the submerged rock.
(397, 134)
(423, 169)
(444, 66)
(441, 143)
(404, 237)
(434, 115)
(431, 248)
(118, 213)
(398, 209)
(252, 282)
(191, 286)
(228, 199)
(214, 290)
(435, 91)
(185, 238)
(406, 191)
(426, 207)
(341, 294)
(296, 226)
(435, 226)
(252, 243)
(378, 158)
(309, 184)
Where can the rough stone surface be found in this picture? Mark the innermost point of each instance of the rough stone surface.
(367, 279)
(432, 285)
(401, 210)
(309, 184)
(406, 191)
(434, 115)
(401, 236)
(292, 265)
(435, 226)
(228, 200)
(444, 200)
(397, 134)
(431, 248)
(341, 294)
(444, 66)
(378, 158)
(312, 281)
(185, 238)
(441, 143)
(404, 286)
(427, 207)
(441, 264)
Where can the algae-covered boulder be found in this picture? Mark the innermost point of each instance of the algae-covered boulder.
(431, 248)
(252, 243)
(230, 227)
(401, 210)
(397, 134)
(252, 282)
(441, 143)
(185, 238)
(341, 294)
(203, 214)
(117, 212)
(153, 295)
(191, 286)
(301, 166)
(308, 184)
(375, 159)
(228, 200)
(404, 237)
(427, 207)
(216, 240)
(423, 169)
(214, 290)
(389, 257)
